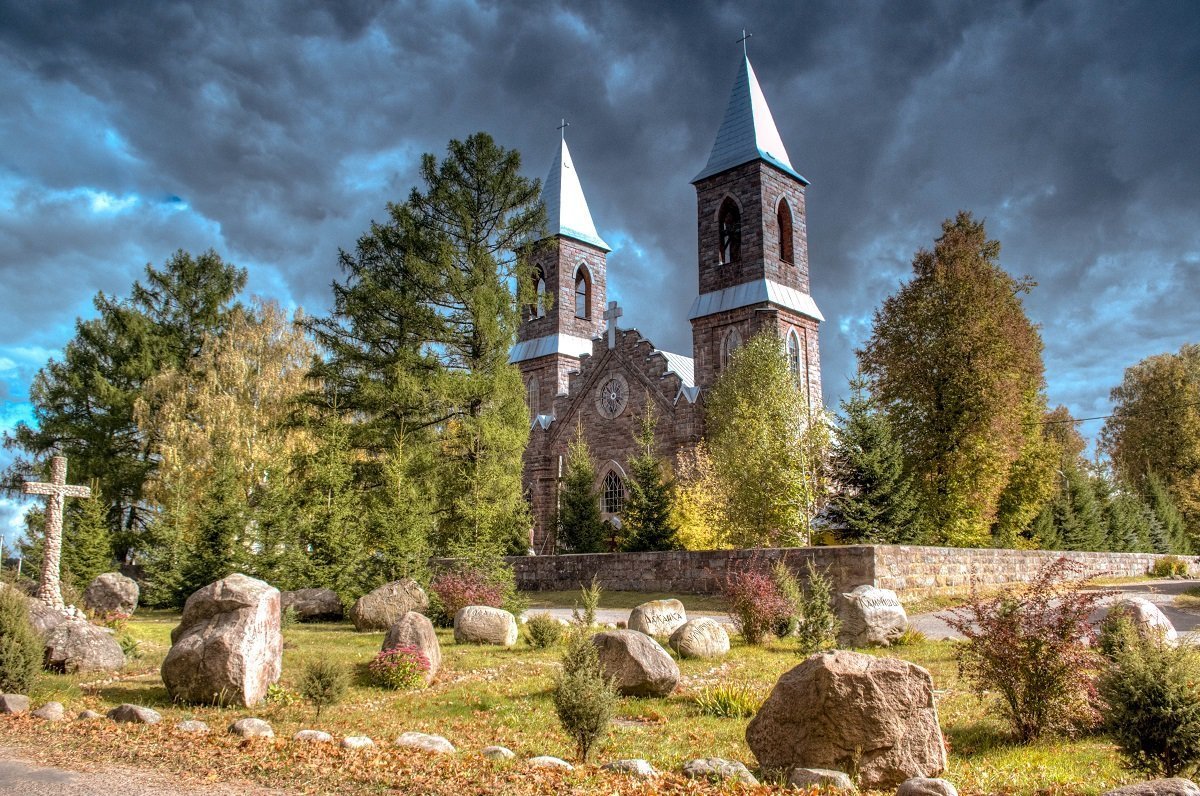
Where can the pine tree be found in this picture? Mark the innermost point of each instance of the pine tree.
(580, 527)
(875, 503)
(87, 540)
(647, 518)
(1172, 536)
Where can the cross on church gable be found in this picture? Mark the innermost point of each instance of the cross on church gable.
(611, 314)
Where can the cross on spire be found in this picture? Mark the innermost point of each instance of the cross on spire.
(611, 314)
(57, 490)
(742, 41)
(562, 130)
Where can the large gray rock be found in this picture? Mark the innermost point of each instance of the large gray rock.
(658, 617)
(14, 704)
(111, 592)
(415, 630)
(1175, 786)
(82, 647)
(313, 605)
(636, 663)
(718, 769)
(481, 624)
(228, 647)
(700, 638)
(926, 786)
(870, 617)
(844, 711)
(381, 608)
(1146, 616)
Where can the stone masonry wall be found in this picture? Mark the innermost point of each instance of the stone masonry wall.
(911, 571)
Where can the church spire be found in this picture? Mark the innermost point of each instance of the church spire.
(566, 208)
(748, 132)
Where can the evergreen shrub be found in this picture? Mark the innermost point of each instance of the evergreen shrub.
(1033, 647)
(323, 683)
(20, 647)
(543, 630)
(817, 626)
(1151, 704)
(589, 596)
(584, 699)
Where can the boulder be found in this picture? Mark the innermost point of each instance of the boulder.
(1175, 786)
(717, 769)
(635, 768)
(926, 786)
(845, 710)
(381, 608)
(134, 714)
(822, 778)
(546, 761)
(415, 630)
(700, 638)
(228, 647)
(657, 617)
(480, 624)
(870, 617)
(313, 605)
(51, 711)
(498, 753)
(313, 736)
(14, 704)
(111, 592)
(43, 617)
(192, 727)
(1146, 616)
(636, 663)
(251, 728)
(426, 743)
(82, 647)
(357, 742)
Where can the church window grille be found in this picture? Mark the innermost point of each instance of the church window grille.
(729, 229)
(613, 497)
(731, 343)
(531, 396)
(784, 218)
(583, 298)
(794, 359)
(541, 297)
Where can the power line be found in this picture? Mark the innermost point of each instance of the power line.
(1106, 417)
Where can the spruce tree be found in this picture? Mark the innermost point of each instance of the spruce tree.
(580, 527)
(647, 522)
(1172, 534)
(875, 503)
(87, 540)
(1078, 515)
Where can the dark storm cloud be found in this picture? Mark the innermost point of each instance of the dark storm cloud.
(274, 132)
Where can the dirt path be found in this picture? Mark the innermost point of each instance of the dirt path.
(20, 775)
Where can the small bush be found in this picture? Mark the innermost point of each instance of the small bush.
(757, 606)
(113, 620)
(1170, 567)
(457, 588)
(1032, 647)
(323, 683)
(289, 618)
(20, 647)
(401, 668)
(130, 646)
(584, 699)
(589, 597)
(910, 638)
(728, 701)
(818, 624)
(280, 696)
(543, 630)
(1151, 697)
(789, 588)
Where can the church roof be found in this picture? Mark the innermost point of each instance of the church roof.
(748, 132)
(681, 366)
(566, 208)
(757, 292)
(559, 343)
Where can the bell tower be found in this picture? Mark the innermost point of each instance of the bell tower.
(753, 244)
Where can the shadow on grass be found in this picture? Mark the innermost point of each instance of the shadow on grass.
(136, 693)
(979, 738)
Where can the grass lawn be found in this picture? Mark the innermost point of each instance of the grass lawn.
(1189, 600)
(487, 695)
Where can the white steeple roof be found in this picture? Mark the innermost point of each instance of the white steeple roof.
(566, 208)
(748, 132)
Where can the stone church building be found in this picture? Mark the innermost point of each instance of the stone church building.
(583, 368)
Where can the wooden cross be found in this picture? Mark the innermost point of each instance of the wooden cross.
(742, 41)
(562, 129)
(611, 314)
(57, 490)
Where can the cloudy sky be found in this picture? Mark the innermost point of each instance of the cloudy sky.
(274, 132)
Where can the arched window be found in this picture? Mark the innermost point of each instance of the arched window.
(731, 343)
(541, 296)
(583, 294)
(612, 499)
(784, 217)
(531, 396)
(729, 229)
(794, 359)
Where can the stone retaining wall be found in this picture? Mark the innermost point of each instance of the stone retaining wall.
(911, 571)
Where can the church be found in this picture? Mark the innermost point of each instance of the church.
(585, 369)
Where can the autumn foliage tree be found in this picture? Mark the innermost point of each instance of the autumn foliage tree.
(957, 366)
